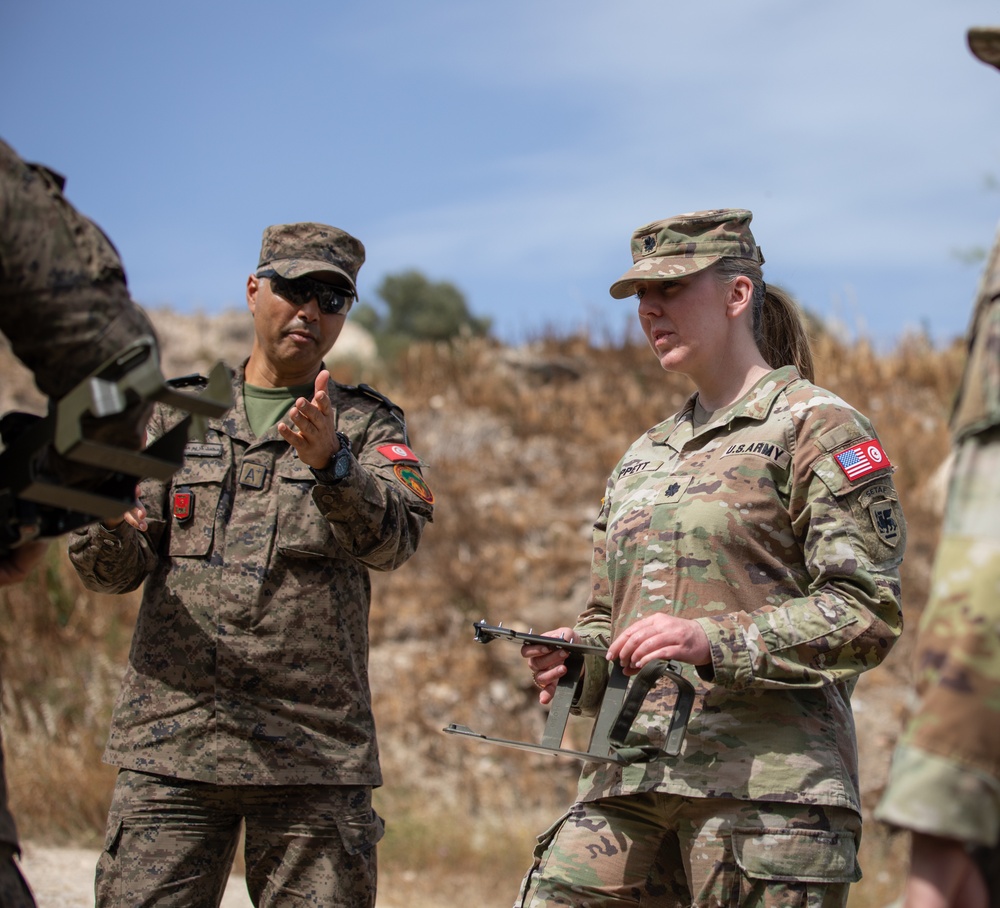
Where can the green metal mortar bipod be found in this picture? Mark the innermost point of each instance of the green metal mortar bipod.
(619, 707)
(34, 504)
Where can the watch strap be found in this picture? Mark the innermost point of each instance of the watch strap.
(339, 467)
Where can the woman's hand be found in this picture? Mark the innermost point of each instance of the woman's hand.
(547, 663)
(660, 636)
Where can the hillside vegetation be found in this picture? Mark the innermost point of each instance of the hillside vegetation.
(518, 443)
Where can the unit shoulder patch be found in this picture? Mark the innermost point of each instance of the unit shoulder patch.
(412, 479)
(882, 504)
(885, 518)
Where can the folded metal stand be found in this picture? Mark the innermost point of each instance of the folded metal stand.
(619, 706)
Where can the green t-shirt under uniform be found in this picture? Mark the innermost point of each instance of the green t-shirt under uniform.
(266, 406)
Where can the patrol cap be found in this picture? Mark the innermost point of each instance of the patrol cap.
(323, 252)
(984, 42)
(685, 244)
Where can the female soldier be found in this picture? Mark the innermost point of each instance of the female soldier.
(755, 536)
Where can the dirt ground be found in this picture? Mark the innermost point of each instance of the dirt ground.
(64, 878)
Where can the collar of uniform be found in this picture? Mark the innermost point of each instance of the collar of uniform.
(235, 422)
(755, 404)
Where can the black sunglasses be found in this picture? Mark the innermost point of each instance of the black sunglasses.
(330, 298)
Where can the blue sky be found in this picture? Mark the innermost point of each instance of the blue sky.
(512, 148)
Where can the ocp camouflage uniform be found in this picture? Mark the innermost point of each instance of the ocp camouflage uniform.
(945, 778)
(248, 666)
(777, 527)
(66, 309)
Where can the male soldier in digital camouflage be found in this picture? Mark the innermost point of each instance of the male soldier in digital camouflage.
(246, 697)
(945, 780)
(65, 308)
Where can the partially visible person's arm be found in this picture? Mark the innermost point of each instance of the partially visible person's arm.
(943, 875)
(18, 564)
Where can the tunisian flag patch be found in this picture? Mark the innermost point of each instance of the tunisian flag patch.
(398, 453)
(862, 459)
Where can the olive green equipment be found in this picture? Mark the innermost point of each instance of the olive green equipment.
(619, 706)
(36, 502)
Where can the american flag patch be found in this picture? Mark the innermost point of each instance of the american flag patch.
(863, 459)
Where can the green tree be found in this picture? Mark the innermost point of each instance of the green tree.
(414, 308)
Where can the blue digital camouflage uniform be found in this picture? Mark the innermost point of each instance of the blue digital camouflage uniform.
(59, 271)
(249, 661)
(777, 527)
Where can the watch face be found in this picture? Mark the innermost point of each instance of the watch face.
(341, 463)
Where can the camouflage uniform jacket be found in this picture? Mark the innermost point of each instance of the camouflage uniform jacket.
(58, 271)
(249, 660)
(788, 559)
(63, 297)
(945, 777)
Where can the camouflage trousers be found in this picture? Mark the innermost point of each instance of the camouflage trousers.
(171, 843)
(667, 851)
(14, 891)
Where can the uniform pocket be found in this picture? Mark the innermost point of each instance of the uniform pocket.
(542, 845)
(302, 529)
(193, 503)
(108, 879)
(796, 855)
(361, 832)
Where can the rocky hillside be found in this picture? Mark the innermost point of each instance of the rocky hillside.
(518, 443)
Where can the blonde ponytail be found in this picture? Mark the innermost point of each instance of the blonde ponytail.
(781, 336)
(778, 325)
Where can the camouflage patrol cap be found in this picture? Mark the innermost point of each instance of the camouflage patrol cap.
(685, 244)
(323, 252)
(984, 42)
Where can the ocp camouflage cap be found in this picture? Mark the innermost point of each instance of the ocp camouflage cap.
(685, 244)
(984, 42)
(324, 252)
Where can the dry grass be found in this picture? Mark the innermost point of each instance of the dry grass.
(518, 443)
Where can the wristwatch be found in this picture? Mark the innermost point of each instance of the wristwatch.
(339, 467)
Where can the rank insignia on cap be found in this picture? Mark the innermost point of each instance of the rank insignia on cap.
(862, 459)
(648, 243)
(398, 453)
(183, 504)
(414, 482)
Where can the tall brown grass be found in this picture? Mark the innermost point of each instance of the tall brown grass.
(518, 444)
